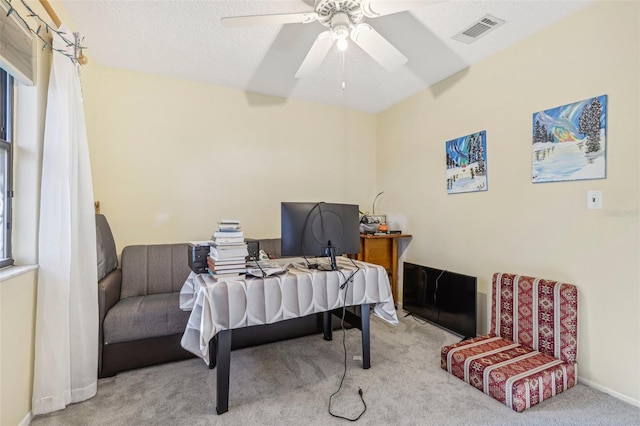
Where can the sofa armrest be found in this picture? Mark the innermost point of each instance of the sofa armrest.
(108, 295)
(109, 291)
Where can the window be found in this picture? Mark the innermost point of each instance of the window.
(6, 167)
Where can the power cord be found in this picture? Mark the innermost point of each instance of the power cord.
(435, 299)
(256, 259)
(416, 319)
(344, 286)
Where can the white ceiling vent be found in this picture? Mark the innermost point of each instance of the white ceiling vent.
(478, 29)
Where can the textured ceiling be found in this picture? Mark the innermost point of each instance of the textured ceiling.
(185, 39)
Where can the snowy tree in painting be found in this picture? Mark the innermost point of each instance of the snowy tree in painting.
(590, 125)
(569, 141)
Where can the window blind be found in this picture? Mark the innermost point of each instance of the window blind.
(17, 48)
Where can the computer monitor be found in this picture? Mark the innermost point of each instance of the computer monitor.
(320, 229)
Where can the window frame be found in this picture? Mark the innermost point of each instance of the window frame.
(6, 136)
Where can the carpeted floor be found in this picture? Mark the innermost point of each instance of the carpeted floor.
(289, 383)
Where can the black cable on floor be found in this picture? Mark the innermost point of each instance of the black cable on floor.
(345, 286)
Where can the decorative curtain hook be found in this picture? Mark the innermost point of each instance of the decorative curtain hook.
(82, 60)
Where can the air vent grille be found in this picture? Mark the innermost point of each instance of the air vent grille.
(488, 22)
(478, 29)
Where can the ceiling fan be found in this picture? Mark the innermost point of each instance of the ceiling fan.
(344, 19)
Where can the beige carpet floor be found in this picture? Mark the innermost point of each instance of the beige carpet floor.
(289, 383)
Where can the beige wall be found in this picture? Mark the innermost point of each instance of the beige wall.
(170, 157)
(537, 229)
(17, 325)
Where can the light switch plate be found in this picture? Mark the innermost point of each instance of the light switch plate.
(594, 200)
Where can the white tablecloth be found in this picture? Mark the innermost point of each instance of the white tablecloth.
(244, 302)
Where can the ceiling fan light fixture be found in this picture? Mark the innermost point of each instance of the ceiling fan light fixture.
(341, 32)
(340, 24)
(342, 44)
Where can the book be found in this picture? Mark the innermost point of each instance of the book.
(227, 234)
(228, 271)
(238, 256)
(236, 259)
(219, 254)
(224, 252)
(227, 240)
(229, 222)
(239, 267)
(218, 257)
(228, 245)
(232, 261)
(225, 277)
(225, 265)
(228, 227)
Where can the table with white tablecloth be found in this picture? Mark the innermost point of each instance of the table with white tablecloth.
(219, 307)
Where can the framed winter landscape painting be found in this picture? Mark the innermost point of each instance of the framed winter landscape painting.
(467, 163)
(569, 142)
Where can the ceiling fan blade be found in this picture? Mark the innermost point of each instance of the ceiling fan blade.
(375, 8)
(377, 47)
(286, 18)
(316, 54)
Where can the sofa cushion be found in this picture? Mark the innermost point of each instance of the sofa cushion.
(272, 246)
(513, 374)
(105, 247)
(142, 317)
(152, 269)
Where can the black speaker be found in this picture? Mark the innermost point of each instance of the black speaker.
(253, 247)
(198, 257)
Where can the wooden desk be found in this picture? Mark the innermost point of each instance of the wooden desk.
(382, 250)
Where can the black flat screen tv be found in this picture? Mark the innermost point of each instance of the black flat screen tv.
(319, 229)
(444, 298)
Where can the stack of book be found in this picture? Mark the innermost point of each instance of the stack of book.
(228, 251)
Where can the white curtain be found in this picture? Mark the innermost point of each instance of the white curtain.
(66, 339)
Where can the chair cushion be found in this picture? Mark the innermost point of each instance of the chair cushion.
(540, 314)
(515, 375)
(142, 317)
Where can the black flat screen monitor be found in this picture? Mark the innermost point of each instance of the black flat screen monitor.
(444, 298)
(320, 229)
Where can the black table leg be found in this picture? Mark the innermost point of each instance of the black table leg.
(328, 329)
(364, 322)
(223, 356)
(213, 352)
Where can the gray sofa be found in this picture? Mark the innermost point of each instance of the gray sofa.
(141, 323)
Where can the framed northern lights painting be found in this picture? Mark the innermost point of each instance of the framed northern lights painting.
(569, 142)
(467, 163)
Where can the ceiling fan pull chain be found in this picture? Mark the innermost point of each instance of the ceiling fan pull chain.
(344, 84)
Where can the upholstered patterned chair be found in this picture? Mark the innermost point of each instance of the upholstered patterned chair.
(530, 353)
